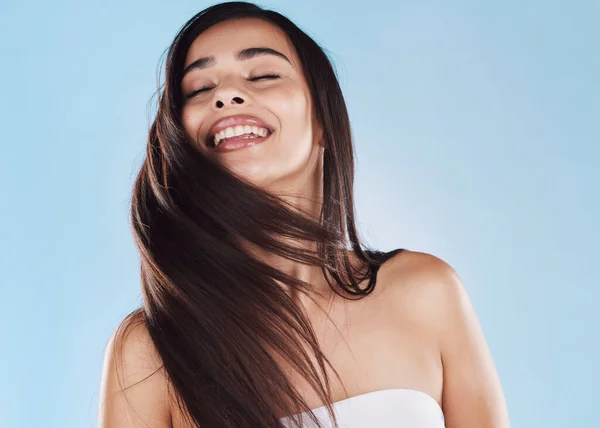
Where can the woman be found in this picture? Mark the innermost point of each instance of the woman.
(260, 302)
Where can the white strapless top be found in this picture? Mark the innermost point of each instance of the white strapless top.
(387, 408)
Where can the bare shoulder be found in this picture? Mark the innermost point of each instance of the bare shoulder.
(426, 289)
(415, 265)
(421, 285)
(134, 389)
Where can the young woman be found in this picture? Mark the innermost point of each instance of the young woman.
(260, 302)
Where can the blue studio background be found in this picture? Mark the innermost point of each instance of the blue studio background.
(476, 130)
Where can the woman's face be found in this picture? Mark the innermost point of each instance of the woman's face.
(282, 105)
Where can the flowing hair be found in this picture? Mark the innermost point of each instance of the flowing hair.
(217, 314)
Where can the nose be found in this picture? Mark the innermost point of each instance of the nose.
(229, 93)
(235, 100)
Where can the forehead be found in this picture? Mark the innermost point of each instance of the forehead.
(227, 37)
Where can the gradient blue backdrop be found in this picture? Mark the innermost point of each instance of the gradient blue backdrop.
(476, 129)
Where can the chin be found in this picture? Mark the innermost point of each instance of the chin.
(253, 172)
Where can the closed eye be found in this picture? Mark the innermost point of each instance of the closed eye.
(265, 76)
(252, 79)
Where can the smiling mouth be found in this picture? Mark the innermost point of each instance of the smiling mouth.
(236, 139)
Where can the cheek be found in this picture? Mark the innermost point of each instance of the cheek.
(191, 122)
(292, 108)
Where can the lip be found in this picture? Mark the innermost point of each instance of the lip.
(238, 119)
(237, 143)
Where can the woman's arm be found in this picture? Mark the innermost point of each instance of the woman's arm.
(472, 393)
(134, 391)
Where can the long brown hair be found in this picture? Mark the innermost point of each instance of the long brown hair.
(212, 309)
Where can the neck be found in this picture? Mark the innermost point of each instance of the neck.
(304, 192)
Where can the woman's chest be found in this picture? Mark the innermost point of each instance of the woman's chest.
(373, 347)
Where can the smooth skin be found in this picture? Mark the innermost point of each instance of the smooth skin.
(417, 330)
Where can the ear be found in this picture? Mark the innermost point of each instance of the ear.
(319, 136)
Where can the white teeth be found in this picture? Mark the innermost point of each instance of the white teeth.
(234, 131)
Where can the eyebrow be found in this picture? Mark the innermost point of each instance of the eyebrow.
(244, 54)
